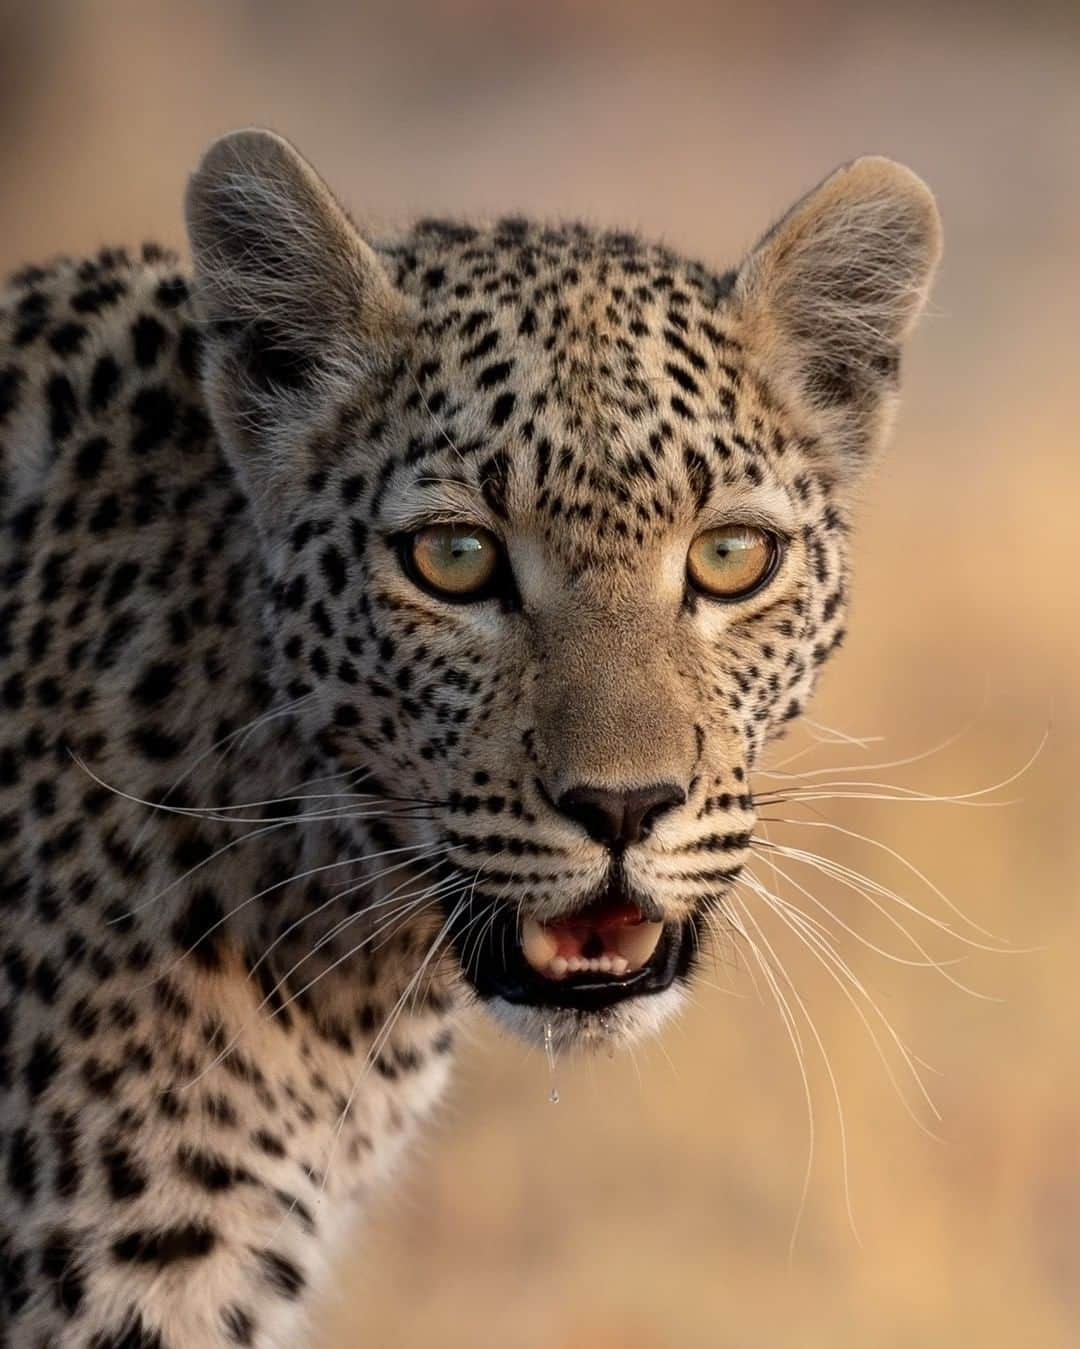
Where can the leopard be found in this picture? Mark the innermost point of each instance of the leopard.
(391, 623)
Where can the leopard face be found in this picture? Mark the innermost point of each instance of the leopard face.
(556, 524)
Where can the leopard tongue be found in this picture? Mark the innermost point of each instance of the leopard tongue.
(559, 949)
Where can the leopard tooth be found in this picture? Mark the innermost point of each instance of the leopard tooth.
(637, 943)
(538, 945)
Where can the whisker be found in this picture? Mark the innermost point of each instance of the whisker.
(485, 917)
(340, 927)
(713, 915)
(830, 735)
(907, 760)
(426, 852)
(870, 791)
(256, 723)
(835, 966)
(434, 420)
(370, 797)
(795, 1036)
(836, 871)
(270, 828)
(406, 909)
(914, 870)
(210, 813)
(379, 1041)
(179, 880)
(291, 880)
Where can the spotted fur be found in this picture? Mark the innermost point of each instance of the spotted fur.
(247, 767)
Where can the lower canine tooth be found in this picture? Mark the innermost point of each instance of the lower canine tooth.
(537, 944)
(637, 943)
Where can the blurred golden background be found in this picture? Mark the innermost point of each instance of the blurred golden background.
(653, 1207)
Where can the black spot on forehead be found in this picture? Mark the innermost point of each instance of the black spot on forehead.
(446, 263)
(576, 334)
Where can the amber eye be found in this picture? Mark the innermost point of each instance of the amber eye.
(457, 562)
(732, 561)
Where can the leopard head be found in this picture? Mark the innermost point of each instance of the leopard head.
(556, 524)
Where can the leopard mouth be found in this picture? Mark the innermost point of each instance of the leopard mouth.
(587, 960)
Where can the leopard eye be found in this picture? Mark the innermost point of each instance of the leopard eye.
(455, 562)
(733, 561)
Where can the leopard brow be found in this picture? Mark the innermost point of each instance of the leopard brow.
(449, 501)
(767, 508)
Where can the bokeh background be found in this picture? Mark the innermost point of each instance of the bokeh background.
(654, 1206)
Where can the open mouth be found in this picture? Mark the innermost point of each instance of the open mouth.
(587, 960)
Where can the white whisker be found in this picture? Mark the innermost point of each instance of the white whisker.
(426, 853)
(914, 870)
(380, 1040)
(833, 872)
(791, 1026)
(292, 880)
(406, 909)
(835, 966)
(256, 723)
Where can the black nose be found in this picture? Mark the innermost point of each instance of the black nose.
(619, 819)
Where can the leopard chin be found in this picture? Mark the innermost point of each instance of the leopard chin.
(562, 1029)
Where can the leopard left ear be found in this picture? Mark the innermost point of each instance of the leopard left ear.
(831, 292)
(298, 311)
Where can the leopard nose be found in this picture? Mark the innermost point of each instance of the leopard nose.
(619, 819)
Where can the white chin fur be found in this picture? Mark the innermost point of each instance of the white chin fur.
(624, 1024)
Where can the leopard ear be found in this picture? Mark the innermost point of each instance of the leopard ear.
(831, 292)
(296, 306)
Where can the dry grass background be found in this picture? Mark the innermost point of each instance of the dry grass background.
(652, 1208)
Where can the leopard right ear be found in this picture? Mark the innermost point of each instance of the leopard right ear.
(297, 308)
(830, 294)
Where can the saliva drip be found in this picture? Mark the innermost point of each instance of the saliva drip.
(549, 1051)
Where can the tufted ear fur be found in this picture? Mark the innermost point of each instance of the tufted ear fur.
(297, 308)
(831, 292)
